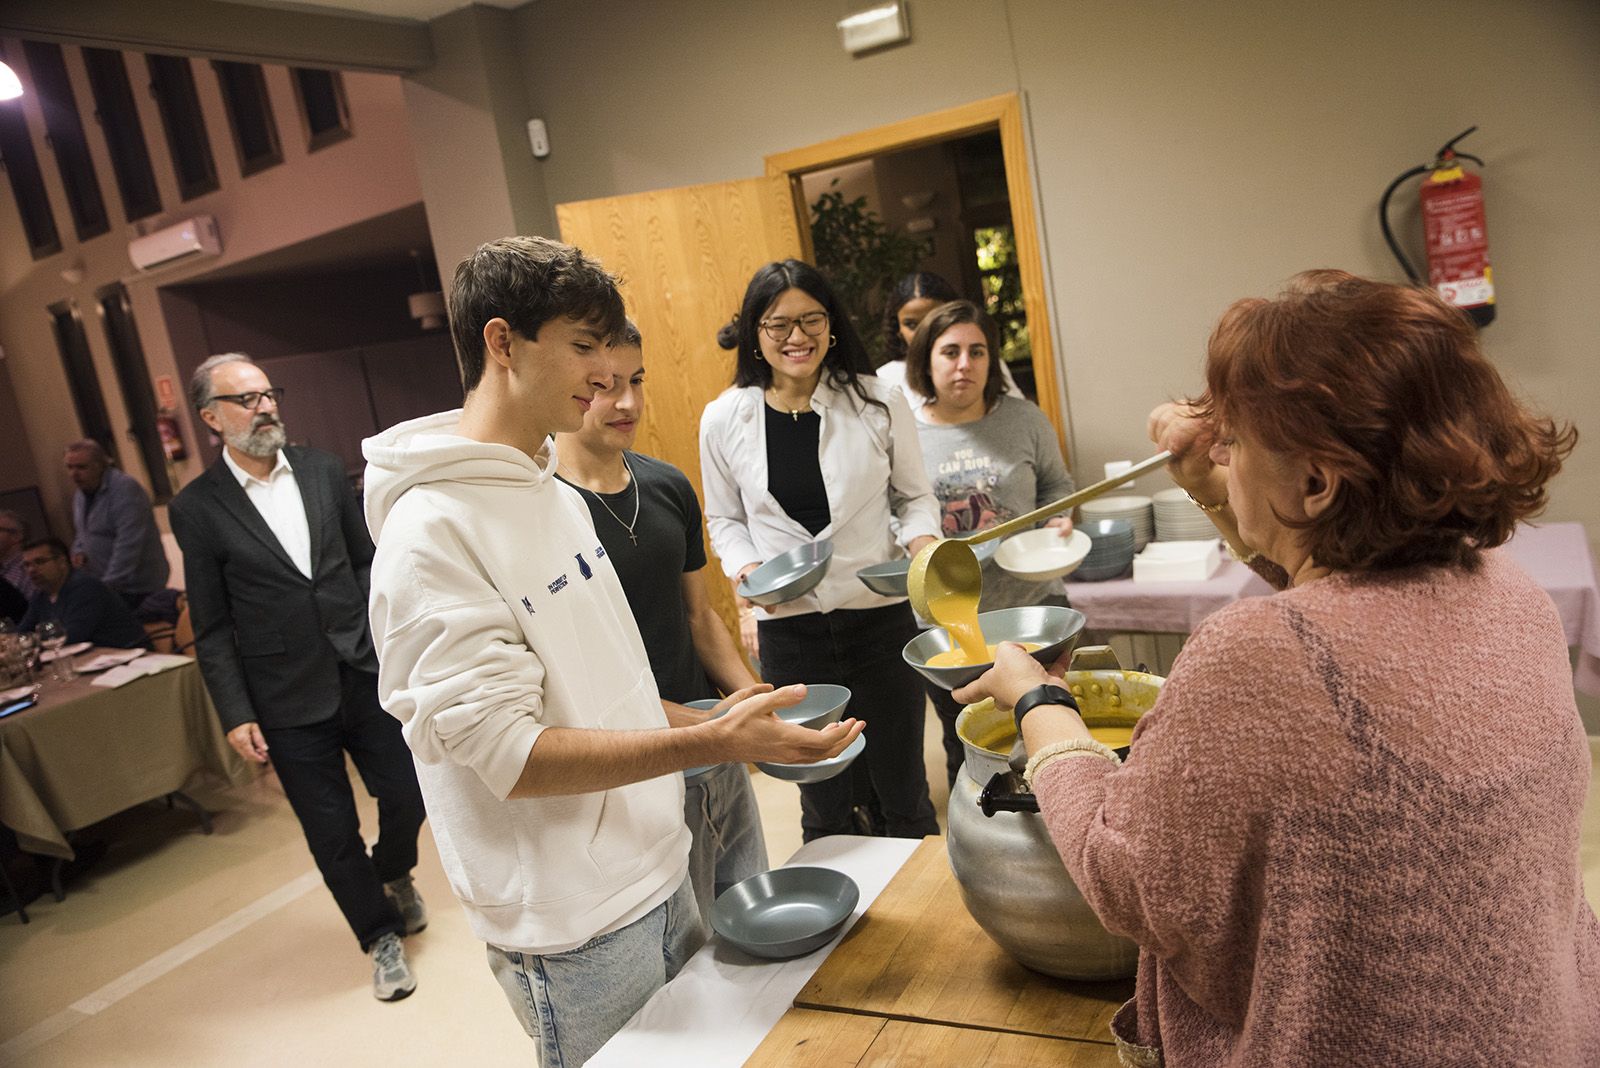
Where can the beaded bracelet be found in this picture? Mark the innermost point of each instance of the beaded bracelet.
(1065, 748)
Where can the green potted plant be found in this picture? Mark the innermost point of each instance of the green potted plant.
(862, 258)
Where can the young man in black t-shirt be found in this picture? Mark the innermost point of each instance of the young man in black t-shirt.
(647, 517)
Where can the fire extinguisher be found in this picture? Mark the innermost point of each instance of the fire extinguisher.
(171, 437)
(1454, 231)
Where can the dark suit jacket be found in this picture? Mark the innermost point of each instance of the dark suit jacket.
(270, 640)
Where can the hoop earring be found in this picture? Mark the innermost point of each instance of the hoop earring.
(833, 339)
(760, 357)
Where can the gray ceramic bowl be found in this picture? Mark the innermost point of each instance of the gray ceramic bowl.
(824, 704)
(785, 912)
(1052, 627)
(789, 575)
(822, 769)
(890, 579)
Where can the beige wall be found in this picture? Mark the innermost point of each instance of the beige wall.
(1182, 161)
(369, 174)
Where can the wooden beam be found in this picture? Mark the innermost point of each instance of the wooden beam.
(215, 30)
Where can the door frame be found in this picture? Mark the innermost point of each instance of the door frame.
(1003, 113)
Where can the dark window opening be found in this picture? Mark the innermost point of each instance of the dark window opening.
(127, 357)
(67, 141)
(255, 133)
(115, 110)
(323, 109)
(172, 82)
(81, 377)
(27, 184)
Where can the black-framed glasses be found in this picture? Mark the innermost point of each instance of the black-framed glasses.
(253, 399)
(811, 324)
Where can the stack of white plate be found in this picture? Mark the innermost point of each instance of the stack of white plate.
(1179, 519)
(1138, 511)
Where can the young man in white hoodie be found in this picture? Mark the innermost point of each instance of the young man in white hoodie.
(508, 653)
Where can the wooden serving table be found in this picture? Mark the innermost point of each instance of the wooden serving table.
(916, 977)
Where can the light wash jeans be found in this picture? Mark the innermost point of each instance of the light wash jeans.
(728, 844)
(571, 1003)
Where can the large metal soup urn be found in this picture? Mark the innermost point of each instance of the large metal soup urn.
(1012, 880)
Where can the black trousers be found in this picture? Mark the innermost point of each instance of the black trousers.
(948, 708)
(860, 649)
(309, 761)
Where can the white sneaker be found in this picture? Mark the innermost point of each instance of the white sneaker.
(391, 973)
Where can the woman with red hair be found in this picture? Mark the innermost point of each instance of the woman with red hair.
(1348, 831)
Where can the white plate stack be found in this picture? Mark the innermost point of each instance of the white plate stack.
(1138, 511)
(1179, 519)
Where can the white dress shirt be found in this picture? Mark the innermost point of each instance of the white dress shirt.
(277, 498)
(879, 497)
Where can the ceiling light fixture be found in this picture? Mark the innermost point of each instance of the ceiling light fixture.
(10, 84)
(874, 28)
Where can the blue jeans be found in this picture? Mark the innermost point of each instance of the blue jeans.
(572, 1003)
(728, 843)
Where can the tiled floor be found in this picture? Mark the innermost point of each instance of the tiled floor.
(182, 949)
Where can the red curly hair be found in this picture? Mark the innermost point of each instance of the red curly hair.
(1385, 386)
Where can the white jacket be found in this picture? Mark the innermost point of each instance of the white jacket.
(496, 614)
(871, 467)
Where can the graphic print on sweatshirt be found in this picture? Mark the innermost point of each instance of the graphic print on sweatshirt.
(964, 485)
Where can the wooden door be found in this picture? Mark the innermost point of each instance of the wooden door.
(685, 257)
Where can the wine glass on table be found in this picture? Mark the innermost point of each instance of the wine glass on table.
(52, 636)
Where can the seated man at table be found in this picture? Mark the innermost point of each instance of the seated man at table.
(84, 605)
(116, 539)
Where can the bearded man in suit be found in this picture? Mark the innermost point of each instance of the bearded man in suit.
(276, 561)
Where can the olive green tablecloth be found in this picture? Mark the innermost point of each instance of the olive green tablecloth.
(84, 753)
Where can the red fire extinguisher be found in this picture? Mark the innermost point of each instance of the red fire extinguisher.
(1455, 234)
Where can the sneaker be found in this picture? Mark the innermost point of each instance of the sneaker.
(403, 892)
(391, 974)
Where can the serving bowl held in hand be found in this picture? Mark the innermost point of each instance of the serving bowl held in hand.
(889, 579)
(785, 912)
(821, 769)
(1051, 627)
(789, 575)
(1043, 554)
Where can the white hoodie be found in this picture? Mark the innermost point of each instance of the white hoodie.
(496, 614)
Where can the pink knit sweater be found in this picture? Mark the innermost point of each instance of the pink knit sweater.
(1348, 833)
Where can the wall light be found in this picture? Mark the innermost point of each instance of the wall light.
(10, 84)
(876, 27)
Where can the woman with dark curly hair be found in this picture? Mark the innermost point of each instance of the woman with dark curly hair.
(808, 444)
(1348, 831)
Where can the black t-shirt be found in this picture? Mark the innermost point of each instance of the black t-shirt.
(652, 571)
(794, 472)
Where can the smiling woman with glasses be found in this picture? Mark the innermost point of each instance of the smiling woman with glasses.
(809, 445)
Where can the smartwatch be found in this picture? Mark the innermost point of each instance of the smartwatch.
(1048, 694)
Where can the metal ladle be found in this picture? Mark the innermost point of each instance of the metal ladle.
(950, 566)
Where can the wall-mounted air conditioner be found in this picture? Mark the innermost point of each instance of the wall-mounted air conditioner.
(190, 239)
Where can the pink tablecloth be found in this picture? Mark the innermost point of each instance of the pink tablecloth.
(1556, 555)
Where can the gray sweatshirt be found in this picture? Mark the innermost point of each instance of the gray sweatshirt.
(986, 472)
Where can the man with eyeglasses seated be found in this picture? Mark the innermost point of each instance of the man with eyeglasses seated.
(276, 559)
(88, 609)
(116, 537)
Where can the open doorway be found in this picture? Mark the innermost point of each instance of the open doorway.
(956, 181)
(946, 205)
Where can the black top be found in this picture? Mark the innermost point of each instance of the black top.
(91, 611)
(669, 545)
(794, 472)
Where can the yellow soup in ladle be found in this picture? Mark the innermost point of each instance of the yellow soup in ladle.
(957, 612)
